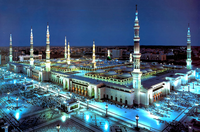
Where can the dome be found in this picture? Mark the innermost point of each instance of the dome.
(149, 70)
(72, 67)
(111, 73)
(126, 75)
(64, 65)
(128, 69)
(122, 67)
(143, 71)
(116, 68)
(100, 71)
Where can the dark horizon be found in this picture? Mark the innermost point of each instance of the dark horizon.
(110, 23)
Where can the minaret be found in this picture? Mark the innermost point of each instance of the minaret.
(31, 49)
(65, 48)
(48, 62)
(136, 55)
(108, 53)
(10, 56)
(68, 55)
(189, 61)
(131, 57)
(93, 55)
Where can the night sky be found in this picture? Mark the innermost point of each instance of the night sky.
(109, 22)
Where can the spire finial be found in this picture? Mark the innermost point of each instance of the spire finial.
(188, 24)
(47, 23)
(136, 7)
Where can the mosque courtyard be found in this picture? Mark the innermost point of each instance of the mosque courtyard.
(43, 106)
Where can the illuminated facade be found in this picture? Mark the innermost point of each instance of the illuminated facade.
(31, 49)
(189, 61)
(136, 65)
(10, 55)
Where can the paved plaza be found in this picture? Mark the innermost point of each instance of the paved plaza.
(40, 108)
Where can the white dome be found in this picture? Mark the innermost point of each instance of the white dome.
(116, 68)
(128, 69)
(100, 71)
(111, 73)
(72, 67)
(126, 75)
(122, 67)
(149, 70)
(143, 71)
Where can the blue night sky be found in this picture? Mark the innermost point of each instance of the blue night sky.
(109, 22)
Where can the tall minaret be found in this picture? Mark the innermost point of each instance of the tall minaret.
(131, 57)
(68, 55)
(136, 55)
(48, 62)
(189, 61)
(65, 47)
(108, 53)
(10, 56)
(31, 49)
(93, 55)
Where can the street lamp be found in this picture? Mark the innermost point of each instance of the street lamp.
(137, 118)
(47, 88)
(64, 105)
(176, 96)
(58, 91)
(158, 106)
(188, 88)
(8, 95)
(17, 102)
(58, 127)
(87, 103)
(193, 85)
(168, 100)
(106, 109)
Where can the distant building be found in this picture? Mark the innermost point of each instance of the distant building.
(116, 53)
(27, 57)
(154, 57)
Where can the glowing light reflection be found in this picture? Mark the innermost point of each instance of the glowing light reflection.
(87, 117)
(64, 118)
(17, 115)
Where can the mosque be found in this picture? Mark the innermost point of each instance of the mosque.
(134, 83)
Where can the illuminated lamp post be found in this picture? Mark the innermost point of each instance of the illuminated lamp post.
(70, 95)
(58, 91)
(5, 127)
(25, 79)
(188, 88)
(8, 95)
(47, 88)
(193, 85)
(168, 100)
(137, 118)
(64, 105)
(58, 127)
(106, 109)
(87, 103)
(176, 96)
(17, 102)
